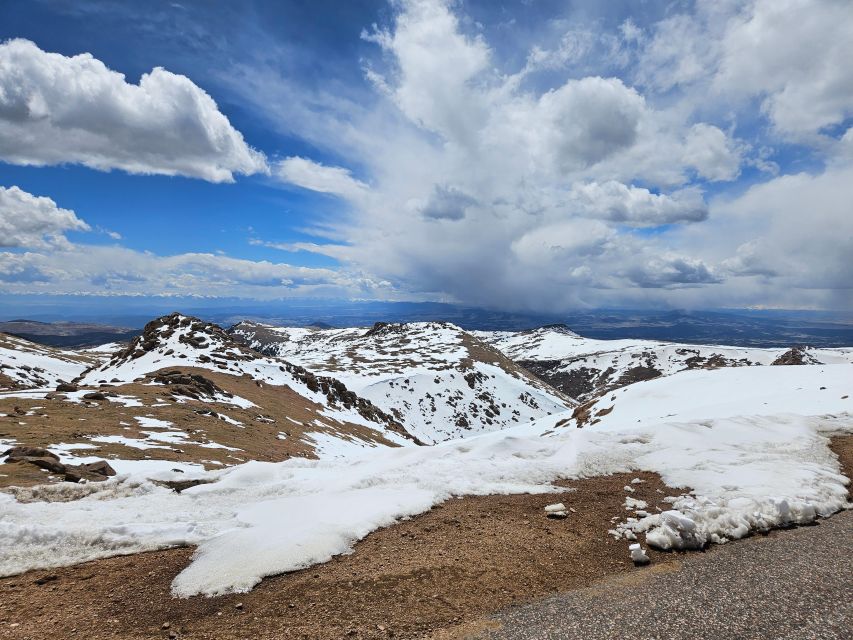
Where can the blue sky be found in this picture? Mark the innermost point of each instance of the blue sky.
(529, 155)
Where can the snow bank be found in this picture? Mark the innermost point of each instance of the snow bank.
(748, 472)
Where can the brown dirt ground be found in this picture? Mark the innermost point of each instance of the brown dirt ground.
(435, 575)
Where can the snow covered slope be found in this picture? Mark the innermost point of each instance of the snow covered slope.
(585, 368)
(435, 378)
(697, 395)
(182, 341)
(181, 396)
(27, 365)
(750, 443)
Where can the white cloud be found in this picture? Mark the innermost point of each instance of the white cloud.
(796, 55)
(91, 269)
(552, 185)
(791, 55)
(56, 109)
(489, 192)
(637, 206)
(33, 221)
(313, 176)
(795, 231)
(711, 153)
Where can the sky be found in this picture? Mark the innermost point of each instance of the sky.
(524, 155)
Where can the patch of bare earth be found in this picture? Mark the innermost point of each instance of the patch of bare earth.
(842, 446)
(441, 571)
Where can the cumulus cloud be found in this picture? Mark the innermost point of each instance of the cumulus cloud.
(56, 109)
(314, 176)
(552, 185)
(710, 151)
(34, 221)
(637, 206)
(486, 190)
(791, 55)
(804, 87)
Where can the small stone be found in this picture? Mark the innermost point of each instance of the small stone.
(165, 625)
(239, 606)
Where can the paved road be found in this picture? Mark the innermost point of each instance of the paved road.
(793, 584)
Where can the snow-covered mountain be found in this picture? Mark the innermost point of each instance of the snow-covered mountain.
(27, 365)
(436, 379)
(181, 396)
(585, 368)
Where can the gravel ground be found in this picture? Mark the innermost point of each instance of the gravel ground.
(791, 584)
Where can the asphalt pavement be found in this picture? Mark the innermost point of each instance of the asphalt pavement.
(793, 584)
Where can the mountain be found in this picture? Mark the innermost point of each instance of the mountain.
(67, 334)
(439, 381)
(585, 368)
(27, 365)
(181, 396)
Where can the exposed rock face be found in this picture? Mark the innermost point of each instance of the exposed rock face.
(795, 356)
(44, 459)
(192, 385)
(198, 334)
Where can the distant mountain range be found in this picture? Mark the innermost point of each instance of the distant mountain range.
(67, 334)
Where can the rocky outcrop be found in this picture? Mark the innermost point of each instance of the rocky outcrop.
(44, 459)
(192, 385)
(795, 356)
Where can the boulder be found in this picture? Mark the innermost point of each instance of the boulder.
(23, 451)
(101, 467)
(91, 472)
(54, 466)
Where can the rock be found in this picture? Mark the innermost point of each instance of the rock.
(23, 451)
(795, 356)
(165, 625)
(94, 395)
(179, 485)
(45, 579)
(239, 606)
(101, 467)
(66, 388)
(91, 472)
(43, 463)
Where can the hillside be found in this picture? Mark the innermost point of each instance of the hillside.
(180, 398)
(585, 368)
(436, 379)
